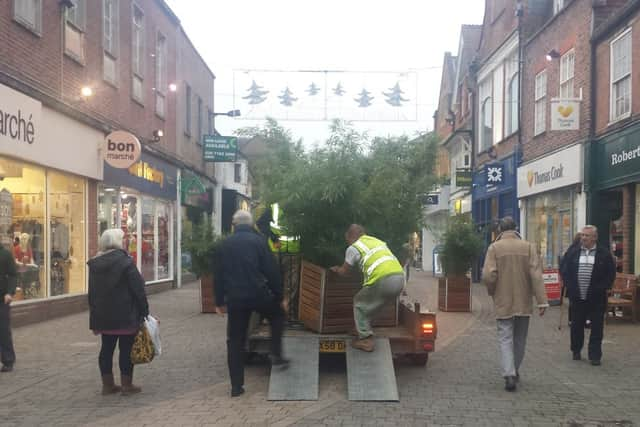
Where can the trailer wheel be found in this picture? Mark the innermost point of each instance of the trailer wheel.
(419, 359)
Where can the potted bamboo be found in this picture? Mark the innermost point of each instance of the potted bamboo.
(460, 245)
(201, 242)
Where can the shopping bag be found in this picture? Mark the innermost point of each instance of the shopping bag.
(142, 350)
(153, 326)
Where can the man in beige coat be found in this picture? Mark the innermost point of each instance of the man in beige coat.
(512, 274)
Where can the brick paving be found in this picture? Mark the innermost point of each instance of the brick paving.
(56, 380)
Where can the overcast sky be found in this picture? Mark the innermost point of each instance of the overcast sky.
(350, 35)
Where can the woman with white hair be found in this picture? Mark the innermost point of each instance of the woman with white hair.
(117, 307)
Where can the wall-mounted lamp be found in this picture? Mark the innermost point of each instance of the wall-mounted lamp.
(231, 113)
(173, 87)
(86, 92)
(553, 54)
(157, 134)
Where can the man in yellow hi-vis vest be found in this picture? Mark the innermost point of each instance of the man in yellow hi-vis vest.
(383, 280)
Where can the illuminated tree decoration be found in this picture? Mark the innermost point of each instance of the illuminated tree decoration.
(286, 98)
(256, 94)
(364, 100)
(394, 97)
(313, 89)
(338, 90)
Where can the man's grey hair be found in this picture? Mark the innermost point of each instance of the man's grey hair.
(111, 239)
(507, 224)
(242, 217)
(591, 227)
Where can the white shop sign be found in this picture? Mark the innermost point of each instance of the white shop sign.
(47, 137)
(555, 171)
(565, 114)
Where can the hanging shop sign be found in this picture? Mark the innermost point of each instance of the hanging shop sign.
(430, 199)
(121, 149)
(565, 114)
(558, 170)
(219, 148)
(463, 177)
(194, 193)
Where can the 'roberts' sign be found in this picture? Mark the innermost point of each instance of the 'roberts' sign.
(19, 117)
(624, 156)
(121, 149)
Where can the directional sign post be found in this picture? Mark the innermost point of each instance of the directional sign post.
(219, 148)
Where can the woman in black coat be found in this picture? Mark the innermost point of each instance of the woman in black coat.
(117, 307)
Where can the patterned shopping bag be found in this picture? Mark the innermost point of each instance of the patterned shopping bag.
(142, 350)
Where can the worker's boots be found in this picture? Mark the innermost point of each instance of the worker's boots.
(364, 344)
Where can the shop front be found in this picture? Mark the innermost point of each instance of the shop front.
(614, 195)
(552, 203)
(44, 195)
(493, 197)
(141, 200)
(196, 200)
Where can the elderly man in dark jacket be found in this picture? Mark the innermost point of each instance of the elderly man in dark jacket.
(588, 271)
(7, 289)
(247, 280)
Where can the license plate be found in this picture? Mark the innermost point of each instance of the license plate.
(332, 346)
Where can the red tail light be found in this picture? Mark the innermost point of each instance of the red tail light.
(428, 346)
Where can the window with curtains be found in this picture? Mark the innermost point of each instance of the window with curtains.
(29, 14)
(540, 107)
(567, 66)
(621, 76)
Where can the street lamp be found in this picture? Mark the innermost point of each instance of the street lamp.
(230, 113)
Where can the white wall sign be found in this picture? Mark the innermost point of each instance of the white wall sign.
(557, 170)
(565, 114)
(121, 149)
(19, 119)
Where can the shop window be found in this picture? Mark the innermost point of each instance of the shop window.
(66, 234)
(108, 200)
(129, 223)
(23, 224)
(29, 14)
(148, 243)
(164, 244)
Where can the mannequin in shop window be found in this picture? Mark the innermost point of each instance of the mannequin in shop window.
(22, 252)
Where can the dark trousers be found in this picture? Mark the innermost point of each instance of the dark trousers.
(580, 312)
(237, 326)
(105, 360)
(8, 356)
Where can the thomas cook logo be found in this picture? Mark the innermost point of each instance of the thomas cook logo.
(565, 111)
(530, 177)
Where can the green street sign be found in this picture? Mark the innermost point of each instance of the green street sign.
(219, 148)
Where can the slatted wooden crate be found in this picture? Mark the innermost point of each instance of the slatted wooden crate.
(454, 293)
(207, 297)
(326, 301)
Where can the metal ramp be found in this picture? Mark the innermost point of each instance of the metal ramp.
(300, 380)
(370, 376)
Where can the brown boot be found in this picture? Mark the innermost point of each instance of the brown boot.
(128, 387)
(108, 385)
(364, 344)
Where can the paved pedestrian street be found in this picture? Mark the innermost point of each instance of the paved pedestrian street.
(56, 380)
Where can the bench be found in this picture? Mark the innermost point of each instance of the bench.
(623, 296)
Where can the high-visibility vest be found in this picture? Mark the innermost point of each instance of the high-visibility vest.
(376, 260)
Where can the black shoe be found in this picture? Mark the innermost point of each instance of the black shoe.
(510, 383)
(280, 362)
(235, 392)
(6, 368)
(596, 362)
(576, 356)
(517, 377)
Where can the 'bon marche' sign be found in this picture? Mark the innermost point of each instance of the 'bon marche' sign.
(219, 148)
(121, 149)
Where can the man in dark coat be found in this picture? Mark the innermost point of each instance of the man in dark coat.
(247, 280)
(588, 271)
(7, 290)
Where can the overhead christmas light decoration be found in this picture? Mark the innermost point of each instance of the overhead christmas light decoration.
(256, 94)
(287, 98)
(364, 99)
(338, 90)
(394, 97)
(313, 90)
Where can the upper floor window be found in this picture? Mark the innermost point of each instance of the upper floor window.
(210, 121)
(558, 5)
(567, 65)
(187, 111)
(137, 53)
(512, 80)
(74, 30)
(540, 107)
(161, 74)
(237, 173)
(486, 115)
(110, 40)
(29, 14)
(621, 76)
(200, 120)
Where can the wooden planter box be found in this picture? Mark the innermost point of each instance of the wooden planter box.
(326, 301)
(207, 297)
(454, 293)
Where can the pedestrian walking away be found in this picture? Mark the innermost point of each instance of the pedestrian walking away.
(7, 290)
(384, 280)
(117, 308)
(247, 280)
(513, 275)
(588, 273)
